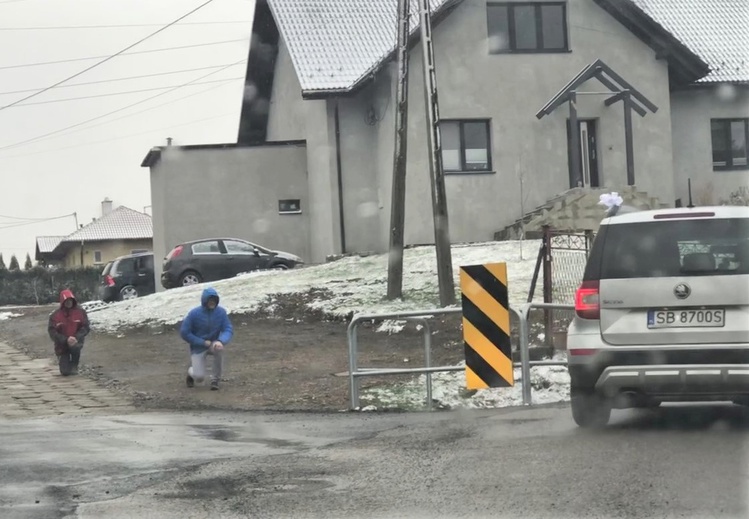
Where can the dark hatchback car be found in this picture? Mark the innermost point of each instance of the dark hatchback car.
(127, 277)
(212, 259)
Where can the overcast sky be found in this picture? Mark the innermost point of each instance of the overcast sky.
(77, 165)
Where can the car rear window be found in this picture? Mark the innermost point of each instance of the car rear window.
(712, 247)
(107, 269)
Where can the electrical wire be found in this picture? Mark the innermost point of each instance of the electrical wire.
(114, 80)
(126, 92)
(121, 137)
(165, 27)
(13, 225)
(119, 118)
(114, 26)
(39, 137)
(163, 49)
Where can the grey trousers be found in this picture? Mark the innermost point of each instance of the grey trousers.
(198, 368)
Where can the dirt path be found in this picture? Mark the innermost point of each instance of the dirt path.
(277, 364)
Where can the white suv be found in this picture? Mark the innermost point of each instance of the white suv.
(662, 313)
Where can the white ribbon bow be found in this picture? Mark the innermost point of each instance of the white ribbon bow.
(610, 200)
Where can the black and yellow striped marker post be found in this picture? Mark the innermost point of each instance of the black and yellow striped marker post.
(486, 326)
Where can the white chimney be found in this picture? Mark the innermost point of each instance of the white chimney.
(106, 206)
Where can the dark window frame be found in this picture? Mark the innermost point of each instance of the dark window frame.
(539, 49)
(283, 206)
(463, 170)
(726, 122)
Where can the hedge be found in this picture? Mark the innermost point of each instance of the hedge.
(40, 286)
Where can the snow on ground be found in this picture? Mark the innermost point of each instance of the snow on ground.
(358, 285)
(352, 284)
(549, 384)
(7, 315)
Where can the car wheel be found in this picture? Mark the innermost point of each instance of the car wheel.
(280, 266)
(589, 409)
(189, 278)
(128, 292)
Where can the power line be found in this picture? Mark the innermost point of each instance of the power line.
(122, 137)
(114, 80)
(95, 96)
(163, 49)
(19, 218)
(165, 27)
(34, 139)
(114, 26)
(13, 225)
(121, 117)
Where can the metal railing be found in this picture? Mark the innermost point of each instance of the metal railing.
(421, 316)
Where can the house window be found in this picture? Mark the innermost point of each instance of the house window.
(97, 257)
(465, 146)
(730, 143)
(527, 27)
(293, 206)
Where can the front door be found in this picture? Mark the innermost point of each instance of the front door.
(587, 153)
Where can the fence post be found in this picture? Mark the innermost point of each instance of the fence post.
(548, 316)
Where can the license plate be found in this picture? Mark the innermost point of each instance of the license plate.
(690, 318)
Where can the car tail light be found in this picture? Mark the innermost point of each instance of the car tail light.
(176, 251)
(676, 216)
(582, 351)
(587, 300)
(109, 280)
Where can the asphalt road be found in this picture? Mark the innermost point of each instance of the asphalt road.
(529, 463)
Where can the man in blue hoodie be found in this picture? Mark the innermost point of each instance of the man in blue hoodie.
(207, 330)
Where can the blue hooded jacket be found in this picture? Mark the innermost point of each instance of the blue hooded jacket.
(202, 324)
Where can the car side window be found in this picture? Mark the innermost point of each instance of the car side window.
(206, 247)
(238, 247)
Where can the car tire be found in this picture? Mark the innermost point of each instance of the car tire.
(589, 409)
(280, 266)
(128, 292)
(189, 277)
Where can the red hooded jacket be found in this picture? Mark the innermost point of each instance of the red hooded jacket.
(67, 322)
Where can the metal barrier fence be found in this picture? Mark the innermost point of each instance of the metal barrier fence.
(525, 364)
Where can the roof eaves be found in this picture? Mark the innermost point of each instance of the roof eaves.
(437, 17)
(152, 157)
(686, 65)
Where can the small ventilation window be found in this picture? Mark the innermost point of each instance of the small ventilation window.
(289, 206)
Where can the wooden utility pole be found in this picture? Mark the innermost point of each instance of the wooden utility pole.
(398, 198)
(437, 174)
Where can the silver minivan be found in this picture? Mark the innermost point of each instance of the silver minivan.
(662, 314)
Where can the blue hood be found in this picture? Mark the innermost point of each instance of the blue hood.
(208, 293)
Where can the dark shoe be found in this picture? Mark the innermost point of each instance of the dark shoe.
(190, 381)
(74, 369)
(214, 385)
(65, 365)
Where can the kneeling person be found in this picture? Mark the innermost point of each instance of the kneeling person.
(207, 329)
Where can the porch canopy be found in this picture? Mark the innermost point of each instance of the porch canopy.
(623, 91)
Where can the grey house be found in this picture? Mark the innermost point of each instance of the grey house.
(657, 92)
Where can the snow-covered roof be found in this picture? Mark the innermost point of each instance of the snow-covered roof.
(47, 244)
(716, 30)
(335, 45)
(122, 223)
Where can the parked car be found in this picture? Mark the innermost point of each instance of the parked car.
(212, 259)
(128, 277)
(663, 312)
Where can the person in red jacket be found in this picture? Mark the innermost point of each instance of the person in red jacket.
(68, 327)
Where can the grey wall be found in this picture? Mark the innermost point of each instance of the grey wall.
(234, 192)
(509, 90)
(691, 114)
(287, 116)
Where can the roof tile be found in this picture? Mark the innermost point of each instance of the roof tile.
(334, 44)
(716, 30)
(122, 223)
